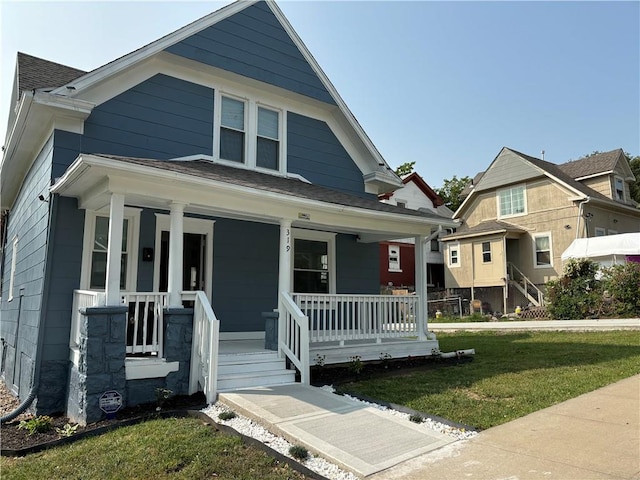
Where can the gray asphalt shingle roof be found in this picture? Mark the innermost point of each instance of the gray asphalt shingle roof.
(272, 183)
(34, 73)
(592, 165)
(491, 226)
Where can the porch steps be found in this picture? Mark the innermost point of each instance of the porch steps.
(252, 369)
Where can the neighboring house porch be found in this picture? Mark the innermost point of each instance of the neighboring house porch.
(299, 249)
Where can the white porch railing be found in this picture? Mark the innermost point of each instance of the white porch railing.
(145, 321)
(358, 317)
(294, 338)
(82, 299)
(204, 348)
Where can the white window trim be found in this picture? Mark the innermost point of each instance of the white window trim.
(14, 261)
(535, 257)
(451, 248)
(330, 239)
(199, 226)
(524, 201)
(599, 231)
(617, 178)
(133, 234)
(251, 105)
(483, 252)
(612, 232)
(396, 269)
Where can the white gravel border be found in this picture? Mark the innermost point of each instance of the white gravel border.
(319, 465)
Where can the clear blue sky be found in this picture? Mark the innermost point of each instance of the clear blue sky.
(445, 84)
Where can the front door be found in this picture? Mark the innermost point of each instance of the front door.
(197, 263)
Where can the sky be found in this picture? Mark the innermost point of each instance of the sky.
(445, 84)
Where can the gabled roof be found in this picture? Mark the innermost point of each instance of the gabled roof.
(34, 73)
(597, 164)
(424, 187)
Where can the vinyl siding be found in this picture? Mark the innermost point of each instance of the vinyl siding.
(508, 168)
(252, 43)
(162, 117)
(314, 152)
(28, 222)
(358, 266)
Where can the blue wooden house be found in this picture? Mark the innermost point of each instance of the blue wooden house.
(198, 215)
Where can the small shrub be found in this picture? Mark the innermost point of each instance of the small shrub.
(416, 418)
(228, 415)
(298, 452)
(162, 395)
(67, 431)
(385, 358)
(40, 424)
(355, 364)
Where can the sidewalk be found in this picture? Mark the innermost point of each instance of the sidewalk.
(593, 436)
(577, 325)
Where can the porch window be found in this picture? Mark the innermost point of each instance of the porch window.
(98, 274)
(232, 130)
(511, 201)
(542, 254)
(311, 266)
(454, 255)
(486, 252)
(268, 145)
(394, 258)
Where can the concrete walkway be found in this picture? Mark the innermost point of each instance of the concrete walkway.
(593, 436)
(358, 438)
(577, 325)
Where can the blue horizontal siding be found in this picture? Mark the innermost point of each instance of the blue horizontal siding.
(252, 43)
(162, 117)
(314, 152)
(358, 266)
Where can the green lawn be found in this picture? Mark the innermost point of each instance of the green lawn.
(512, 374)
(173, 448)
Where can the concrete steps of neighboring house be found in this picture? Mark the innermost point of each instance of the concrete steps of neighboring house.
(259, 369)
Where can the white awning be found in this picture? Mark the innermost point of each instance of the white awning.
(609, 249)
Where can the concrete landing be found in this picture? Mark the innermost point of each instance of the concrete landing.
(358, 438)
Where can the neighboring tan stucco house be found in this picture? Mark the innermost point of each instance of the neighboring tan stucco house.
(397, 257)
(523, 212)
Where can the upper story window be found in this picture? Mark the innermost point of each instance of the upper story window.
(618, 189)
(232, 130)
(268, 147)
(511, 201)
(249, 134)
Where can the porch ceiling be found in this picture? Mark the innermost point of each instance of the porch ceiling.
(219, 190)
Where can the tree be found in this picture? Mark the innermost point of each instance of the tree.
(451, 191)
(405, 169)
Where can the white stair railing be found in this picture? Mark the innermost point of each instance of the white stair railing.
(204, 348)
(294, 338)
(358, 317)
(526, 286)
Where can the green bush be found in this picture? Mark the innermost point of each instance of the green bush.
(584, 291)
(622, 285)
(298, 452)
(42, 423)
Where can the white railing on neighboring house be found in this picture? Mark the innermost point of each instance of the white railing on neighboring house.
(204, 348)
(294, 335)
(526, 286)
(340, 318)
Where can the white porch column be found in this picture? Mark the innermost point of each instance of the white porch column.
(284, 269)
(421, 287)
(176, 240)
(114, 250)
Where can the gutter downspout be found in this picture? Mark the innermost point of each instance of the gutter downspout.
(580, 209)
(33, 391)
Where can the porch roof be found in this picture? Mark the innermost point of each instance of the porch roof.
(215, 189)
(485, 228)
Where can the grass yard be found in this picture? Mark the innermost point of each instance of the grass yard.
(512, 374)
(173, 448)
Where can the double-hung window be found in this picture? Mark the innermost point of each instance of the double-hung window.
(486, 252)
(268, 142)
(511, 201)
(232, 130)
(619, 188)
(454, 254)
(394, 258)
(313, 262)
(542, 250)
(98, 274)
